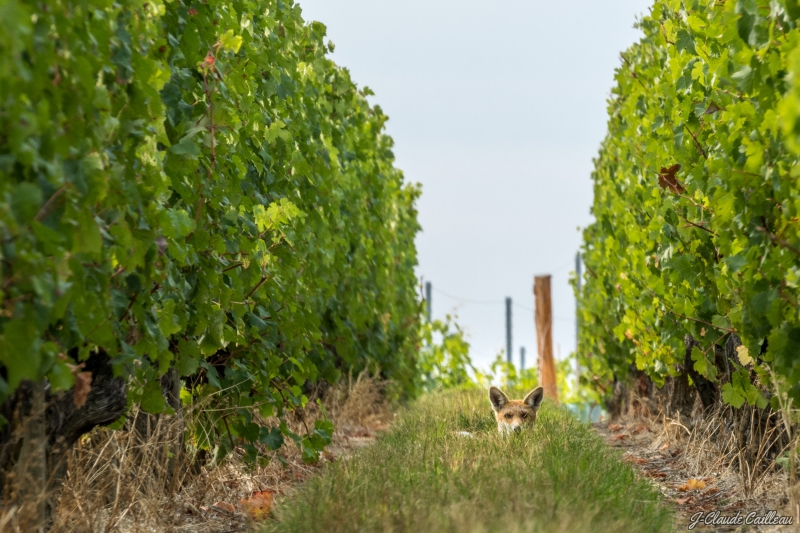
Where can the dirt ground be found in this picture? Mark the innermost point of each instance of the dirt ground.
(117, 483)
(692, 477)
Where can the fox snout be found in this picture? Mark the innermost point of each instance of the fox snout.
(513, 415)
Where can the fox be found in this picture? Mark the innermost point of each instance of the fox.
(513, 415)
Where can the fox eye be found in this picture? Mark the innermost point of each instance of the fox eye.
(509, 416)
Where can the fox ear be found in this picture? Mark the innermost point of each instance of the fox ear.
(498, 398)
(534, 398)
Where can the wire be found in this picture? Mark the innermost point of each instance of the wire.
(498, 302)
(466, 300)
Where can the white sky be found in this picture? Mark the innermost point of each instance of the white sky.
(497, 109)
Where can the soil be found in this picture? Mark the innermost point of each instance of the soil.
(692, 479)
(226, 516)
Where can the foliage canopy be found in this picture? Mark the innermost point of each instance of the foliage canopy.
(196, 185)
(697, 201)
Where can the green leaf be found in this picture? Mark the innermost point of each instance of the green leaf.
(721, 322)
(744, 78)
(87, 234)
(188, 360)
(684, 41)
(702, 365)
(271, 437)
(176, 223)
(152, 398)
(231, 42)
(732, 396)
(25, 202)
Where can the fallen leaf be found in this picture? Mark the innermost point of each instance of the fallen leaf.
(656, 474)
(709, 492)
(259, 505)
(621, 436)
(224, 507)
(328, 456)
(615, 427)
(683, 501)
(630, 458)
(667, 179)
(664, 446)
(83, 386)
(692, 484)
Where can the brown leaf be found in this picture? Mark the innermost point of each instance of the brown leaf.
(667, 179)
(711, 109)
(328, 456)
(709, 492)
(223, 507)
(621, 436)
(692, 484)
(83, 386)
(683, 501)
(654, 474)
(259, 505)
(630, 458)
(615, 427)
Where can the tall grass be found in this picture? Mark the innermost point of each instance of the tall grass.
(425, 475)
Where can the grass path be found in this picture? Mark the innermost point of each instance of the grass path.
(422, 476)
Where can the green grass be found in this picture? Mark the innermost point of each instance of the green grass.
(421, 476)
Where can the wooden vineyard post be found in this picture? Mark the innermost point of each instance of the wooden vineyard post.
(544, 335)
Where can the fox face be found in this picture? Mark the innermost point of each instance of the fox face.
(513, 415)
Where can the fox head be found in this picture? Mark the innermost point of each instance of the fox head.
(513, 415)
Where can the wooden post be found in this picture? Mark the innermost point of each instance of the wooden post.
(544, 335)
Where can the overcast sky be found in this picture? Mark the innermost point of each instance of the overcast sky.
(497, 109)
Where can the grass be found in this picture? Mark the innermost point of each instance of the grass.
(422, 476)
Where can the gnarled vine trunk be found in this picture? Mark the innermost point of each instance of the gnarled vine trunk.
(42, 426)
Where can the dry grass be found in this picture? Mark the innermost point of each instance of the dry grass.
(740, 474)
(120, 481)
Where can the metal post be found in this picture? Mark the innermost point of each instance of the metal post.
(521, 358)
(578, 280)
(508, 331)
(578, 283)
(428, 290)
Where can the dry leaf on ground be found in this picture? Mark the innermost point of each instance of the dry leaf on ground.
(224, 507)
(615, 427)
(692, 484)
(630, 458)
(259, 505)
